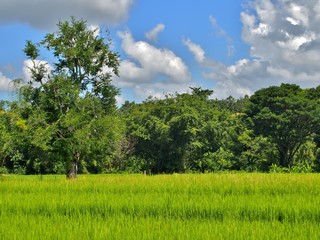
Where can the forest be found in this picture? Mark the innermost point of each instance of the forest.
(66, 120)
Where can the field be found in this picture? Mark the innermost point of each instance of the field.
(191, 206)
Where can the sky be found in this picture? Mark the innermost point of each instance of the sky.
(233, 47)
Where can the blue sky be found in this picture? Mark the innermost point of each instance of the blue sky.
(233, 47)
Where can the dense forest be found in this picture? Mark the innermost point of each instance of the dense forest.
(67, 121)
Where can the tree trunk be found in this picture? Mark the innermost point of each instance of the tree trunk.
(286, 157)
(283, 152)
(72, 170)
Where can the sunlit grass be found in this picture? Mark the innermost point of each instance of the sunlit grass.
(208, 206)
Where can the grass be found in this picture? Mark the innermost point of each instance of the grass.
(191, 206)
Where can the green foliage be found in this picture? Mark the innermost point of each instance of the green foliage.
(190, 132)
(257, 153)
(4, 170)
(274, 168)
(82, 54)
(18, 166)
(66, 118)
(218, 161)
(286, 115)
(31, 50)
(174, 133)
(134, 164)
(70, 115)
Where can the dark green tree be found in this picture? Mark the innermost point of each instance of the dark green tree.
(180, 133)
(14, 140)
(66, 107)
(287, 115)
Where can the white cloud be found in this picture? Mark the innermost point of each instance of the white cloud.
(5, 83)
(149, 69)
(262, 30)
(196, 49)
(230, 88)
(294, 43)
(300, 13)
(291, 39)
(131, 74)
(216, 25)
(284, 40)
(153, 34)
(27, 64)
(95, 28)
(45, 14)
(160, 89)
(120, 100)
(293, 21)
(317, 10)
(221, 32)
(266, 11)
(155, 60)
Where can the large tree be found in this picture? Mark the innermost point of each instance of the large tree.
(66, 108)
(179, 133)
(288, 115)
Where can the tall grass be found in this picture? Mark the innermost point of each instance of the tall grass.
(213, 206)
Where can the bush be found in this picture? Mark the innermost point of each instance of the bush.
(135, 164)
(274, 168)
(3, 170)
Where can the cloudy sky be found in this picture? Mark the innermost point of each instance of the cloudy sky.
(233, 47)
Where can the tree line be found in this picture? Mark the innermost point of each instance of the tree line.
(66, 120)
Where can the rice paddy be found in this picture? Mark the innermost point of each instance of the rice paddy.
(187, 206)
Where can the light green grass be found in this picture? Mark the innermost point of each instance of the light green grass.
(212, 206)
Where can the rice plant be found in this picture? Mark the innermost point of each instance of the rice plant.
(190, 206)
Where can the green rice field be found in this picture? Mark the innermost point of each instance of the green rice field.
(178, 206)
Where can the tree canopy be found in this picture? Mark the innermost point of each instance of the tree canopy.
(76, 100)
(66, 120)
(288, 115)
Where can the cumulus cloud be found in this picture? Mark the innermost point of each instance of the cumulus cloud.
(5, 83)
(153, 34)
(150, 70)
(195, 49)
(154, 60)
(286, 35)
(45, 14)
(284, 40)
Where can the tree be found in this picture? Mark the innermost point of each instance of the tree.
(13, 138)
(287, 115)
(75, 97)
(179, 133)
